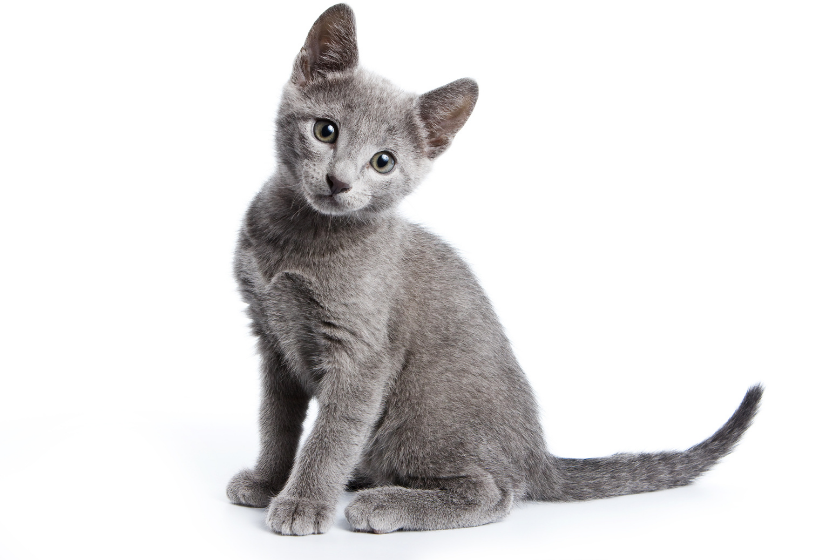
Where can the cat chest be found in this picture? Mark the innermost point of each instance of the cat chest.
(321, 329)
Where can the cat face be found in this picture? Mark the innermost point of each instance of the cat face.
(354, 143)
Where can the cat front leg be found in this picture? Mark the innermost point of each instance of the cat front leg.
(282, 411)
(348, 406)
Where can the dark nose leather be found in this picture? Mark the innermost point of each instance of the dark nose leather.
(337, 186)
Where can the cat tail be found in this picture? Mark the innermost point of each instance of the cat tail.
(570, 480)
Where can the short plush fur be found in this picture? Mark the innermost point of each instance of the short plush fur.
(423, 409)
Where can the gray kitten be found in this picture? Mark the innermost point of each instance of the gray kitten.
(423, 408)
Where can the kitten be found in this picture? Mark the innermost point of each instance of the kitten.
(423, 408)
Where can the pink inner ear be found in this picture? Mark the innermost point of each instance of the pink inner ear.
(323, 39)
(322, 45)
(451, 122)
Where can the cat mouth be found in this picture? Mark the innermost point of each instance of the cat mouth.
(331, 204)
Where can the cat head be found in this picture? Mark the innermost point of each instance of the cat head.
(352, 143)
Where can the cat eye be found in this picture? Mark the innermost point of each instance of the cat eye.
(326, 131)
(383, 161)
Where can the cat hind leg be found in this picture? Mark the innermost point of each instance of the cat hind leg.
(444, 503)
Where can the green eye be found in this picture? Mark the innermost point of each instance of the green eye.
(326, 131)
(383, 161)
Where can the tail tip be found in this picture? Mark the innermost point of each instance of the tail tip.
(753, 396)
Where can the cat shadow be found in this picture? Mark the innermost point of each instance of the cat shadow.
(255, 515)
(342, 524)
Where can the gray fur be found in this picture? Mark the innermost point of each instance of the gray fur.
(422, 405)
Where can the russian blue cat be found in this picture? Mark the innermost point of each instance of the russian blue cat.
(422, 407)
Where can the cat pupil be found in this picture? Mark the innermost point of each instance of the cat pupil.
(382, 161)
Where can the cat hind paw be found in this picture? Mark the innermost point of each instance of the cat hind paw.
(370, 513)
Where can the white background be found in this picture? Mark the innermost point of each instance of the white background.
(648, 191)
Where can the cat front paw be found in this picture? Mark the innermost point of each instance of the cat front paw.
(248, 489)
(299, 516)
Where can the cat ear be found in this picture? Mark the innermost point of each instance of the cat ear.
(329, 47)
(443, 111)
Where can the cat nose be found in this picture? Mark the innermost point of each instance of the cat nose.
(336, 186)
